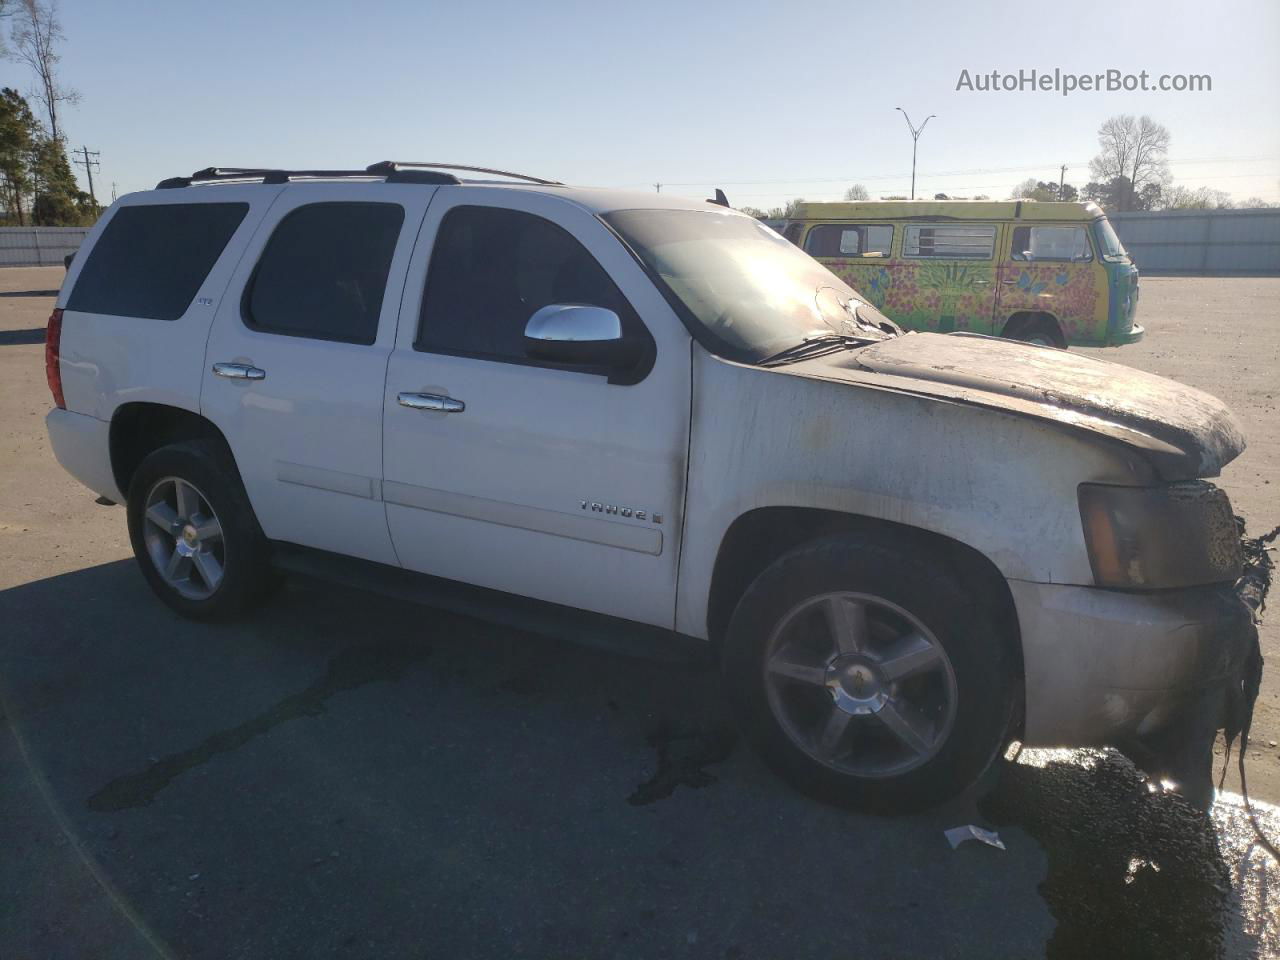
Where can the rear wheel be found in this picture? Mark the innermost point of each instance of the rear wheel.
(1042, 331)
(866, 677)
(193, 532)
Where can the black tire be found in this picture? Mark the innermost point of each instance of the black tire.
(979, 659)
(1040, 330)
(243, 551)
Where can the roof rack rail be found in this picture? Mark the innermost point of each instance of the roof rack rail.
(390, 167)
(393, 171)
(273, 175)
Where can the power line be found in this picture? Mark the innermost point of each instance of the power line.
(941, 173)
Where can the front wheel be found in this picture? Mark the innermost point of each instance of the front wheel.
(194, 533)
(865, 676)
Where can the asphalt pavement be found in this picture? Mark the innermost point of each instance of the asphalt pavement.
(344, 775)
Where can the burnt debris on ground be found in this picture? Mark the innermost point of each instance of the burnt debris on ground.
(683, 756)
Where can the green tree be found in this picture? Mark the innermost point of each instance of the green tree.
(58, 199)
(1033, 189)
(17, 131)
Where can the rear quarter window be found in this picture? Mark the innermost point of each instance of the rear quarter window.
(958, 242)
(151, 260)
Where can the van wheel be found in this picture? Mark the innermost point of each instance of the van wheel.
(866, 677)
(194, 534)
(1041, 331)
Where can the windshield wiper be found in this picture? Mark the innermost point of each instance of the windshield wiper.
(813, 346)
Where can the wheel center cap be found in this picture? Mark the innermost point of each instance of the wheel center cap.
(855, 684)
(189, 535)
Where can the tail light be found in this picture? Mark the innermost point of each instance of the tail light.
(52, 361)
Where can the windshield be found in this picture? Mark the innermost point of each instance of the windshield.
(751, 290)
(1108, 243)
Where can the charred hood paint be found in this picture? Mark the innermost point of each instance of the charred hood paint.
(1185, 433)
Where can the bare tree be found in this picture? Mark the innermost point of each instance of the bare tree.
(1200, 198)
(36, 34)
(857, 192)
(1135, 149)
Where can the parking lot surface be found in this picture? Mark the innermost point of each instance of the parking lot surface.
(344, 775)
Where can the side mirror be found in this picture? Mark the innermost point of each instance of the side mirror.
(578, 333)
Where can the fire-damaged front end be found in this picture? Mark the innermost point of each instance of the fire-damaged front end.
(1158, 652)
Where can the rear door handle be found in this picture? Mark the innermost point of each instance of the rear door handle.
(1010, 282)
(239, 371)
(431, 401)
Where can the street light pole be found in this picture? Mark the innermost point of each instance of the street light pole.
(915, 139)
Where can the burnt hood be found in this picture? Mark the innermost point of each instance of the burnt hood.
(1184, 432)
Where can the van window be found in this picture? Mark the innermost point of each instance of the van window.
(793, 232)
(492, 269)
(949, 242)
(151, 260)
(1051, 243)
(324, 271)
(842, 240)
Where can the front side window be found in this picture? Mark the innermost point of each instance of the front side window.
(151, 260)
(1051, 243)
(492, 269)
(926, 241)
(324, 272)
(841, 240)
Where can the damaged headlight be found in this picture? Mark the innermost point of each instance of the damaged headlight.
(1179, 535)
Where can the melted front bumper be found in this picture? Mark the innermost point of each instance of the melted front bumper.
(1108, 667)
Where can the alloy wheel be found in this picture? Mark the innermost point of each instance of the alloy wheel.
(860, 684)
(184, 538)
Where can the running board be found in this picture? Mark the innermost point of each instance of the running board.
(615, 635)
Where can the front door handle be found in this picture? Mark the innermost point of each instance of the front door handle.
(431, 401)
(1010, 282)
(239, 371)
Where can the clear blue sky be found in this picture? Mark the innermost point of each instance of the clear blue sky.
(769, 100)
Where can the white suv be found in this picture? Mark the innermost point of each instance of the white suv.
(642, 414)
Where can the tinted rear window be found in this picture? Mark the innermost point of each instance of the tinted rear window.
(324, 272)
(150, 261)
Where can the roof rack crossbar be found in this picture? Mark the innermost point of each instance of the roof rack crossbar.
(392, 166)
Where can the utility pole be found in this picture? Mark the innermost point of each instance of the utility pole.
(90, 164)
(1062, 178)
(657, 188)
(915, 139)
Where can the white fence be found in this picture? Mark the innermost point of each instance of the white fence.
(1205, 242)
(39, 246)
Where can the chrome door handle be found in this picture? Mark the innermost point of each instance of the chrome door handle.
(431, 401)
(980, 282)
(1009, 282)
(239, 371)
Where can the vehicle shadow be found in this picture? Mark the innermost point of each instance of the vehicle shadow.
(13, 338)
(341, 774)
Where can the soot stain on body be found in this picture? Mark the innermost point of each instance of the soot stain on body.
(349, 668)
(1131, 873)
(683, 757)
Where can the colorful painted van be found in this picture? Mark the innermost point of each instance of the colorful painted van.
(1050, 273)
